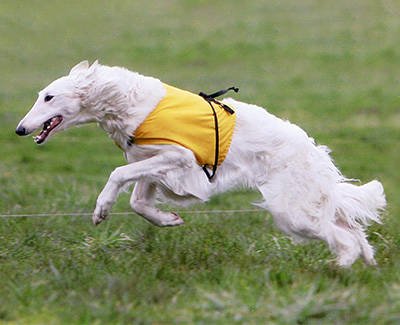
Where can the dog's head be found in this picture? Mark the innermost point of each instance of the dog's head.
(58, 107)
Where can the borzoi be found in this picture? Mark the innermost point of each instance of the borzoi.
(303, 190)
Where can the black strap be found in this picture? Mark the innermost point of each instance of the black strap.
(205, 167)
(211, 99)
(219, 93)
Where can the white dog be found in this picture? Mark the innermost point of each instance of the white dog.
(302, 189)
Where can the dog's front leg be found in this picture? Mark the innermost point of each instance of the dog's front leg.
(142, 202)
(151, 170)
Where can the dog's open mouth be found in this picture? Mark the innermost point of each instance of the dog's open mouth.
(48, 126)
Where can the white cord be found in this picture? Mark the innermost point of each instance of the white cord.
(119, 213)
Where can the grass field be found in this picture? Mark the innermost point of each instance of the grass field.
(331, 67)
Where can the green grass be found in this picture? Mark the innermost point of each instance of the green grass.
(330, 67)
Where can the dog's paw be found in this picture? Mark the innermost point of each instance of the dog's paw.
(103, 208)
(168, 219)
(98, 219)
(99, 216)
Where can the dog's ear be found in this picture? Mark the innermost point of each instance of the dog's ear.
(84, 65)
(94, 66)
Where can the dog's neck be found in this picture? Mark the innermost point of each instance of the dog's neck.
(120, 100)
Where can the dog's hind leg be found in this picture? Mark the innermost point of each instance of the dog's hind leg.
(344, 242)
(356, 207)
(367, 252)
(341, 241)
(142, 202)
(312, 221)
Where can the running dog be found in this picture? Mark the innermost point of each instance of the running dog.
(185, 147)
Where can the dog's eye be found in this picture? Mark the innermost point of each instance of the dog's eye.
(48, 98)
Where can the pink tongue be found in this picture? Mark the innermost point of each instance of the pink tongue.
(43, 134)
(48, 126)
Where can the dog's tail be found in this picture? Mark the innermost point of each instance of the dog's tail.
(360, 204)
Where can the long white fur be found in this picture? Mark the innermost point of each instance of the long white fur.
(301, 187)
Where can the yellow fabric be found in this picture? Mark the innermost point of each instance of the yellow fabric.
(185, 119)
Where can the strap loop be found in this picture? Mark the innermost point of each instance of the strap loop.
(218, 93)
(211, 98)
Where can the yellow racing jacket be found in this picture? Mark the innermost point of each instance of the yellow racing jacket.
(197, 122)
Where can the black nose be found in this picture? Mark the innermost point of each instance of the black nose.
(20, 130)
